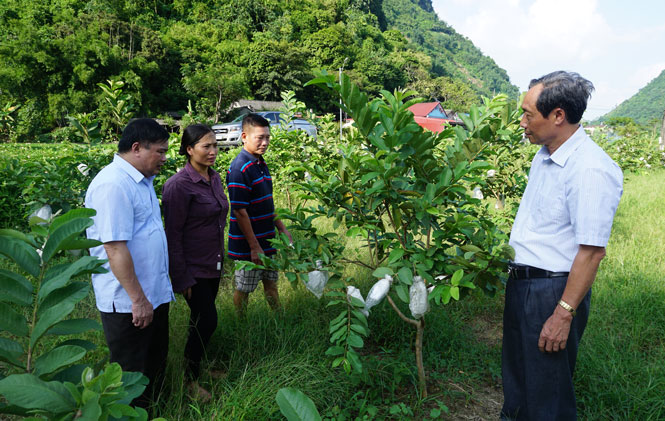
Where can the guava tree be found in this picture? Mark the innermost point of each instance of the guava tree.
(406, 194)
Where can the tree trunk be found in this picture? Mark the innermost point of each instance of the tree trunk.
(422, 381)
(420, 329)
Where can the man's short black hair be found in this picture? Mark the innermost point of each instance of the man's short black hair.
(146, 131)
(566, 90)
(254, 120)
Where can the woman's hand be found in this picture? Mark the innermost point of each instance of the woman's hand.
(187, 293)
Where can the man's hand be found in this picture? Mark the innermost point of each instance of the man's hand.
(142, 313)
(254, 253)
(554, 335)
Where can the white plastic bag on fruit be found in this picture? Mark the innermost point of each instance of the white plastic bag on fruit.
(45, 213)
(354, 292)
(418, 303)
(378, 292)
(317, 280)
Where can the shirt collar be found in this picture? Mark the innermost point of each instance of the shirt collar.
(561, 155)
(251, 157)
(194, 175)
(131, 170)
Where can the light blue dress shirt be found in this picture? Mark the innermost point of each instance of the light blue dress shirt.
(570, 199)
(128, 210)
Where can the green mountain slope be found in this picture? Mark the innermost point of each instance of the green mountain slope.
(645, 106)
(55, 53)
(452, 54)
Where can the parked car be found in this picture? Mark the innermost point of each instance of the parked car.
(228, 134)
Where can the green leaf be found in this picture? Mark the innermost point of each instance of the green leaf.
(355, 340)
(402, 292)
(84, 265)
(91, 410)
(296, 406)
(50, 317)
(334, 351)
(89, 346)
(405, 275)
(354, 360)
(360, 329)
(12, 322)
(5, 232)
(28, 391)
(57, 358)
(79, 244)
(134, 384)
(73, 327)
(66, 231)
(74, 292)
(454, 293)
(14, 288)
(83, 213)
(457, 276)
(382, 272)
(395, 255)
(11, 351)
(352, 232)
(22, 254)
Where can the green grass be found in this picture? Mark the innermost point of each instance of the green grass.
(621, 370)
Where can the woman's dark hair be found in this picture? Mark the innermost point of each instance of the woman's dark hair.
(566, 90)
(191, 136)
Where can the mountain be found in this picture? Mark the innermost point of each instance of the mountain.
(452, 54)
(645, 106)
(54, 54)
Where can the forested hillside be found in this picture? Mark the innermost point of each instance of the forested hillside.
(645, 107)
(54, 53)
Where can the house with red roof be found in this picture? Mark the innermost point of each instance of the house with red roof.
(431, 116)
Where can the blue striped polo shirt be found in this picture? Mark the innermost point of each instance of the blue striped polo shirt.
(250, 187)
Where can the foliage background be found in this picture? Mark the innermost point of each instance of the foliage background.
(54, 53)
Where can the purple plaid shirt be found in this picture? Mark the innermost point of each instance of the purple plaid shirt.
(195, 217)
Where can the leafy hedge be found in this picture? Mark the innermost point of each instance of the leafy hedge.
(34, 175)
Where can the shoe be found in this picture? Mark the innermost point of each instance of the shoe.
(198, 393)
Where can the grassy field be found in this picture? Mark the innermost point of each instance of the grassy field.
(620, 372)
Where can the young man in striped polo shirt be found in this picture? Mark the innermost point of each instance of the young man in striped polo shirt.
(253, 219)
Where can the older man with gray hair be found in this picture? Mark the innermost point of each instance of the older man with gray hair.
(562, 227)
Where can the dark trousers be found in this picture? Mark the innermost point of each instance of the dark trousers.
(538, 386)
(143, 350)
(202, 323)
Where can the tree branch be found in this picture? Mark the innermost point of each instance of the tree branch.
(400, 314)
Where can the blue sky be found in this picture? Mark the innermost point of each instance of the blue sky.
(618, 45)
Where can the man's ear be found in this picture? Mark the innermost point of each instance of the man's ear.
(559, 116)
(136, 146)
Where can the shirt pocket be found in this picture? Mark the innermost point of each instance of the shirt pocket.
(204, 207)
(550, 213)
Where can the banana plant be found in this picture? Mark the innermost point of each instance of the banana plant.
(42, 375)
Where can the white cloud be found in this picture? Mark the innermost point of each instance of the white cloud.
(614, 47)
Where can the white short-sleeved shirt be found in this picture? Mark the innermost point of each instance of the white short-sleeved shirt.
(128, 210)
(570, 199)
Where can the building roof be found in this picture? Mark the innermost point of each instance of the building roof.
(254, 105)
(424, 108)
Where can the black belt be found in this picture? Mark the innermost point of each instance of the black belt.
(526, 272)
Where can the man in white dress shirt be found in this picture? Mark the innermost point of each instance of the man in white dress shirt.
(133, 296)
(559, 236)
